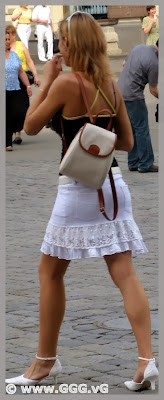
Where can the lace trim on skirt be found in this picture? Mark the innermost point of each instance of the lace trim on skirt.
(93, 241)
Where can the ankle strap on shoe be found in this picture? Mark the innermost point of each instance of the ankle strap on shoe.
(47, 358)
(146, 359)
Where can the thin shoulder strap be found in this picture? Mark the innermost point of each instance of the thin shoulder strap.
(107, 100)
(82, 87)
(87, 107)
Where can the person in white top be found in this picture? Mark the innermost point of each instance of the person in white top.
(41, 15)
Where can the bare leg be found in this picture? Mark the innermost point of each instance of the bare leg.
(136, 304)
(17, 134)
(52, 308)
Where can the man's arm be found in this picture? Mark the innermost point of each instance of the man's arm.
(154, 90)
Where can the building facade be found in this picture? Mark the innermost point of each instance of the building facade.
(122, 25)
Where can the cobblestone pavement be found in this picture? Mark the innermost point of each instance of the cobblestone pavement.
(96, 344)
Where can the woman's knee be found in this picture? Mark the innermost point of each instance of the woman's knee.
(120, 267)
(52, 268)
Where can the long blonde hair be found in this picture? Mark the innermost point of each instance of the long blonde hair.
(87, 47)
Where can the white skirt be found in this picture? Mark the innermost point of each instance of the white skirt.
(77, 229)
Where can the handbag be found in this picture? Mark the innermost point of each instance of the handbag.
(30, 77)
(89, 157)
(55, 44)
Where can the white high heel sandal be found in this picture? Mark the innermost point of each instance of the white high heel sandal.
(55, 370)
(150, 376)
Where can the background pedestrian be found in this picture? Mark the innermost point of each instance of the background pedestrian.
(141, 67)
(27, 63)
(15, 108)
(44, 29)
(22, 18)
(150, 25)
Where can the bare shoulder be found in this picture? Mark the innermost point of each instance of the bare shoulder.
(66, 78)
(66, 84)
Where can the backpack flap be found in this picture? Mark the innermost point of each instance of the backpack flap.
(97, 141)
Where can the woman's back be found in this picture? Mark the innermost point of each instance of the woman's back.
(75, 105)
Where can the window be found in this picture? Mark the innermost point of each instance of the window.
(98, 12)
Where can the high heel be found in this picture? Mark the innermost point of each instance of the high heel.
(150, 376)
(54, 372)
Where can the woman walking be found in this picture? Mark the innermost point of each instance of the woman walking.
(15, 108)
(27, 63)
(76, 228)
(21, 18)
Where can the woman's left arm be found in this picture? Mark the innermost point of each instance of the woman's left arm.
(23, 77)
(31, 65)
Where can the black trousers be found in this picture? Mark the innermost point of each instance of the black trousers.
(17, 103)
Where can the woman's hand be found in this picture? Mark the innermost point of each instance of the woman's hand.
(29, 91)
(36, 80)
(154, 20)
(52, 69)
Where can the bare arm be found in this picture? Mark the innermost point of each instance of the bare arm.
(41, 21)
(14, 17)
(148, 28)
(49, 99)
(31, 65)
(23, 77)
(154, 90)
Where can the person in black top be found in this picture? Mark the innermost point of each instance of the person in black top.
(76, 228)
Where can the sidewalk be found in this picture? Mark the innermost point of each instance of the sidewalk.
(96, 344)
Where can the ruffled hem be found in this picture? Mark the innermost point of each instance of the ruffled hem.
(74, 242)
(136, 247)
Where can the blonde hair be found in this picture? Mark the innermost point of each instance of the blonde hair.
(11, 29)
(87, 47)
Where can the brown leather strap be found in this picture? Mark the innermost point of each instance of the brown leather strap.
(100, 192)
(63, 136)
(115, 201)
(78, 76)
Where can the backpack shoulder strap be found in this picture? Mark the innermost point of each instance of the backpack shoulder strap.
(82, 87)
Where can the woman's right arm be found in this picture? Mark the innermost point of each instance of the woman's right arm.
(16, 15)
(122, 126)
(147, 25)
(148, 28)
(50, 98)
